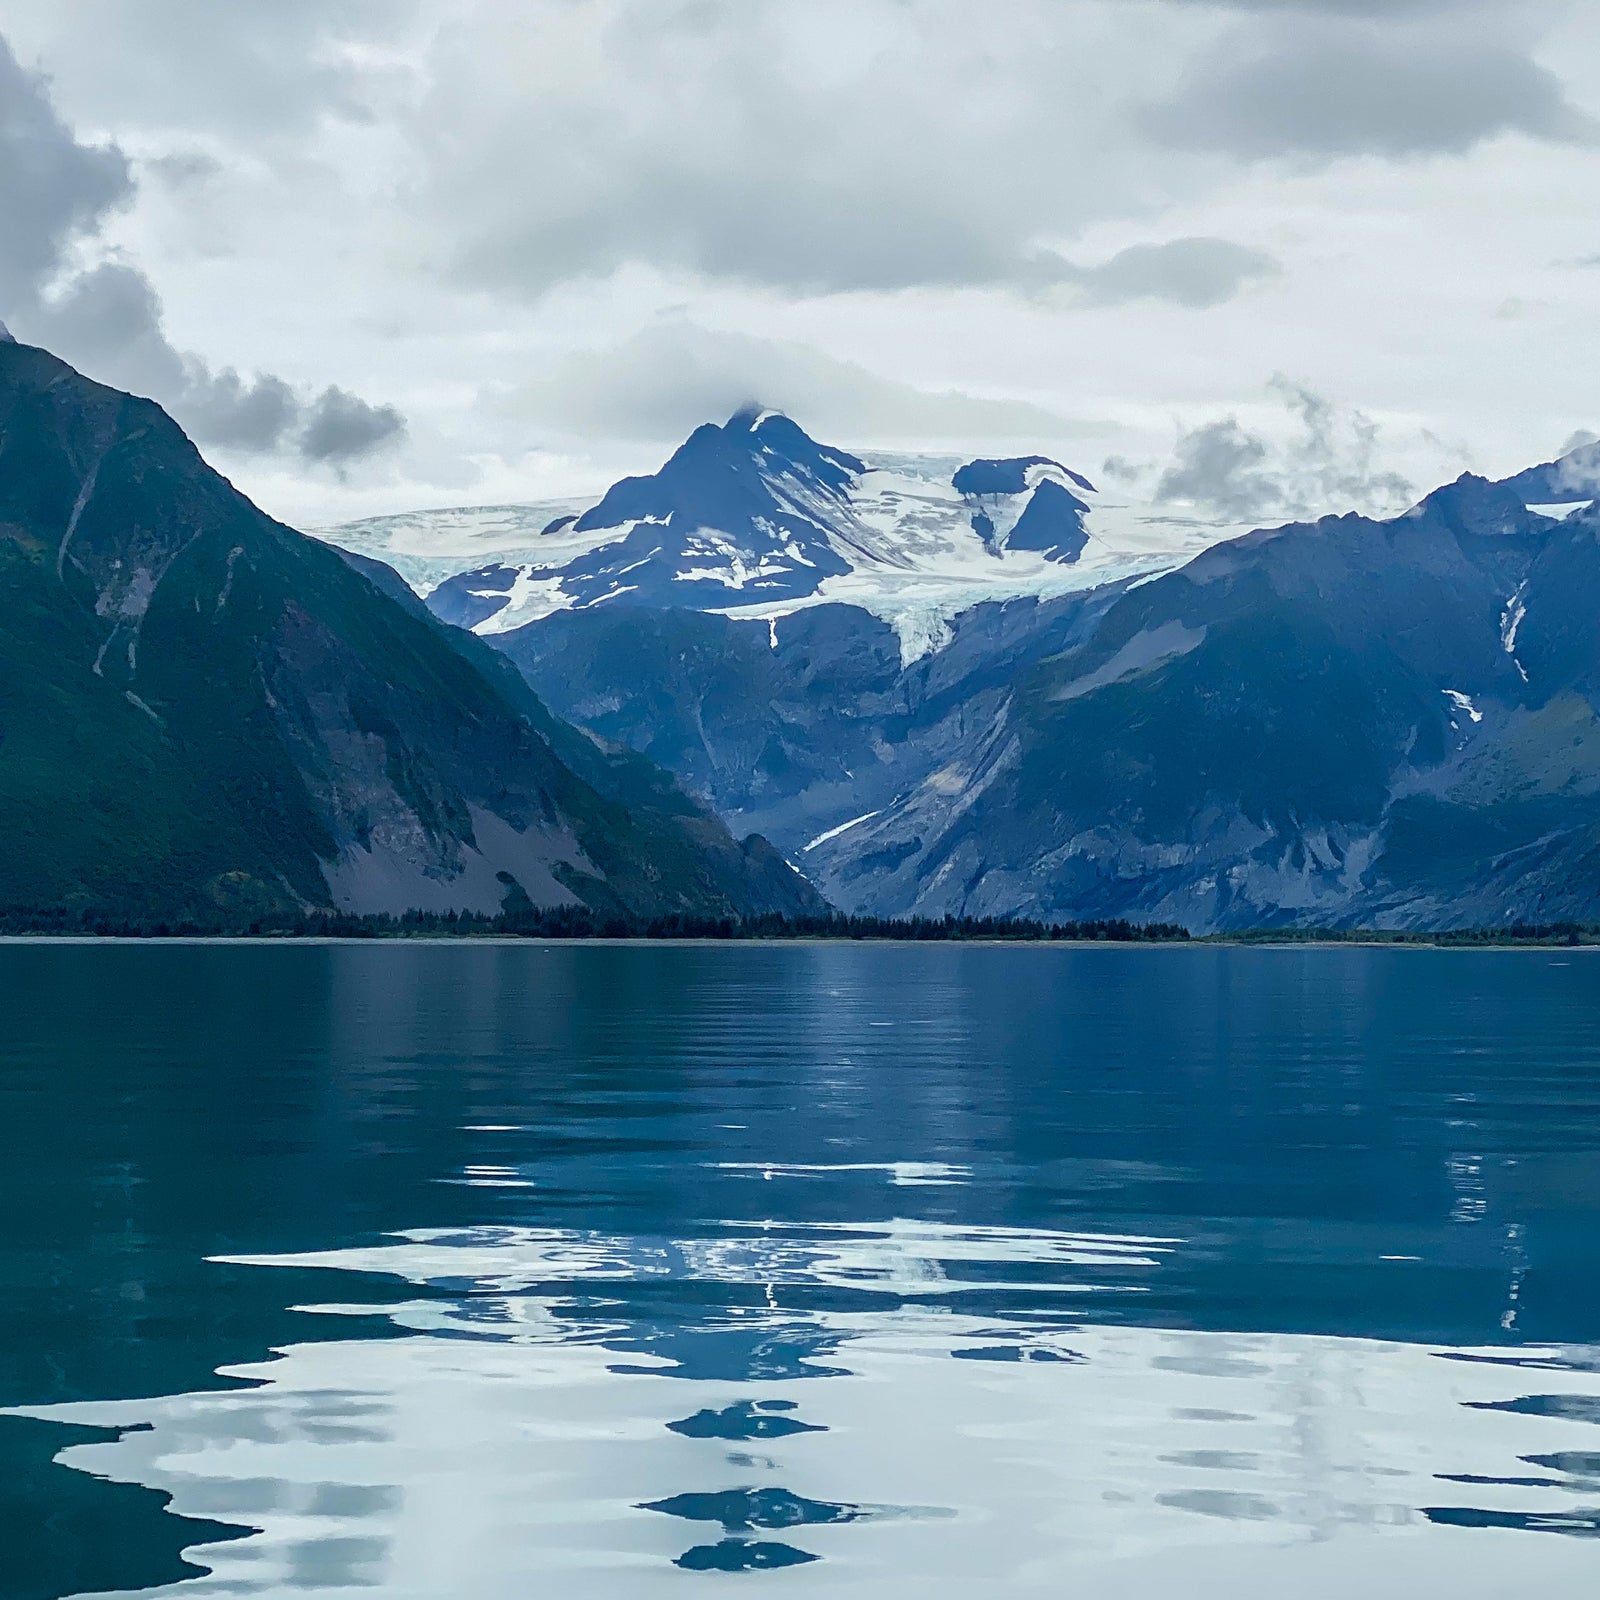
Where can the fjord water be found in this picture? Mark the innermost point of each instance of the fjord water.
(614, 1271)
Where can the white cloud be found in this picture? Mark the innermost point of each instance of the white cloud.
(670, 377)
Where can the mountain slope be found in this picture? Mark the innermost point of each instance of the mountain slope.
(1325, 723)
(202, 708)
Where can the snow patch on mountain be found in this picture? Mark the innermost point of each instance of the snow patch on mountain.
(1511, 619)
(427, 547)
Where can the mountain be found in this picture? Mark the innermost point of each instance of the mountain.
(202, 710)
(754, 518)
(1018, 698)
(1347, 722)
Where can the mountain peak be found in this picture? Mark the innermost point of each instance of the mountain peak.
(1474, 504)
(739, 512)
(989, 476)
(777, 436)
(1570, 478)
(6, 335)
(751, 418)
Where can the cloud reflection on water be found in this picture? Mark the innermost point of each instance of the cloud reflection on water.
(885, 1409)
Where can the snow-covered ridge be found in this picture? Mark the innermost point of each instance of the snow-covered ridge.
(426, 547)
(755, 519)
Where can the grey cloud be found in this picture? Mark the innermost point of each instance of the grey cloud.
(183, 168)
(1580, 475)
(1376, 9)
(1126, 470)
(1578, 465)
(1328, 462)
(836, 233)
(1325, 92)
(674, 375)
(815, 149)
(1334, 458)
(56, 193)
(878, 146)
(52, 188)
(1219, 467)
(1195, 272)
(108, 321)
(341, 426)
(225, 409)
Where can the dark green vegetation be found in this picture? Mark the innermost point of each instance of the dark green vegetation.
(582, 922)
(1515, 936)
(207, 718)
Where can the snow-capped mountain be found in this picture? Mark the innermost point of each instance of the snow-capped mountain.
(754, 519)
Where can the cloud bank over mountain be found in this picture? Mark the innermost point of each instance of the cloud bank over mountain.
(380, 238)
(1331, 459)
(57, 192)
(668, 378)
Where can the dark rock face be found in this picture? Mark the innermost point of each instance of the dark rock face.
(795, 727)
(470, 598)
(202, 708)
(1322, 724)
(988, 477)
(1022, 504)
(1051, 523)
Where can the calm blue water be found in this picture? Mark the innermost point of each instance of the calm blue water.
(490, 1271)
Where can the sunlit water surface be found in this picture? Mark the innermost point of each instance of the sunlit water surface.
(615, 1271)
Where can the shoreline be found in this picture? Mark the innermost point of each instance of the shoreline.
(542, 942)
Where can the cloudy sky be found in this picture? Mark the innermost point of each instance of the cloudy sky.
(1252, 255)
